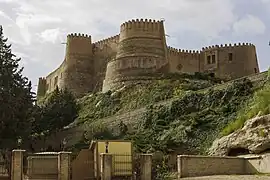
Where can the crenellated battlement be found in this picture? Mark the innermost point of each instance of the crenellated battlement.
(78, 35)
(42, 79)
(235, 45)
(140, 48)
(103, 42)
(176, 51)
(148, 24)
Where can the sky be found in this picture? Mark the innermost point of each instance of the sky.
(37, 29)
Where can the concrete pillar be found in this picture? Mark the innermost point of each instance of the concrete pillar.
(64, 166)
(179, 166)
(106, 166)
(17, 164)
(146, 166)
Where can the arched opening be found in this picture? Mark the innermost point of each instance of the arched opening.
(238, 151)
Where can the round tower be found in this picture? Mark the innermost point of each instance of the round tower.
(78, 66)
(141, 52)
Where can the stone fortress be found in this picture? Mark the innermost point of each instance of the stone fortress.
(139, 53)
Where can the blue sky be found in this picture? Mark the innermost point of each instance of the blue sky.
(36, 28)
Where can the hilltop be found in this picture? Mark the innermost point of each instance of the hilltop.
(180, 113)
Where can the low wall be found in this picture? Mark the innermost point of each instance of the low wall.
(191, 166)
(40, 166)
(261, 163)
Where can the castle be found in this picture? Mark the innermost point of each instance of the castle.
(137, 54)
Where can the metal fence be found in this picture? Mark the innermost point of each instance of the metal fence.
(122, 166)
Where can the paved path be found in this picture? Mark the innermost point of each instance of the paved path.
(234, 177)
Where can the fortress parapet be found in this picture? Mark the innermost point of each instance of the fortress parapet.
(235, 45)
(141, 51)
(175, 51)
(104, 42)
(137, 54)
(78, 69)
(230, 60)
(41, 91)
(78, 44)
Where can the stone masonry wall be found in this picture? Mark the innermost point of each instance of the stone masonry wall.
(138, 52)
(55, 79)
(231, 61)
(104, 51)
(183, 61)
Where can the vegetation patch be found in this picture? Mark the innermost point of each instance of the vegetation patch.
(258, 105)
(100, 105)
(190, 124)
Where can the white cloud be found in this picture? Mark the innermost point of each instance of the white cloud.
(85, 15)
(38, 27)
(5, 16)
(250, 25)
(50, 35)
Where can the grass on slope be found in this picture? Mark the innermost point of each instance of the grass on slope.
(259, 104)
(192, 122)
(189, 125)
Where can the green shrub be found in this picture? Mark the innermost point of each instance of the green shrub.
(101, 105)
(192, 121)
(259, 104)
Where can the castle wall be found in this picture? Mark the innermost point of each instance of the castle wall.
(183, 61)
(136, 55)
(140, 52)
(79, 65)
(231, 61)
(41, 91)
(103, 51)
(55, 79)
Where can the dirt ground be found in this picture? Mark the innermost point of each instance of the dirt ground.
(234, 177)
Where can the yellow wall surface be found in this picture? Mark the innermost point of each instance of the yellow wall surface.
(122, 156)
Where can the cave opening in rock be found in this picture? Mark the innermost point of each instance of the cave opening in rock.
(238, 151)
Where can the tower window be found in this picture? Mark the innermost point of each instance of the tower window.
(230, 56)
(213, 59)
(208, 59)
(255, 70)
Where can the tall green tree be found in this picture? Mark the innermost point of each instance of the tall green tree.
(16, 98)
(58, 111)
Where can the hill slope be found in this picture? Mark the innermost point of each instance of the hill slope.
(189, 112)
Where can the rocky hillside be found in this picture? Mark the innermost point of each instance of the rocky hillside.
(180, 113)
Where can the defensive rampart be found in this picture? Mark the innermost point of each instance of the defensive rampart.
(184, 61)
(230, 61)
(103, 52)
(136, 55)
(140, 52)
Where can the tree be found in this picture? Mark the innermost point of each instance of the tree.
(58, 111)
(16, 99)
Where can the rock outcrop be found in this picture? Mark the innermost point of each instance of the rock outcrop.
(253, 138)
